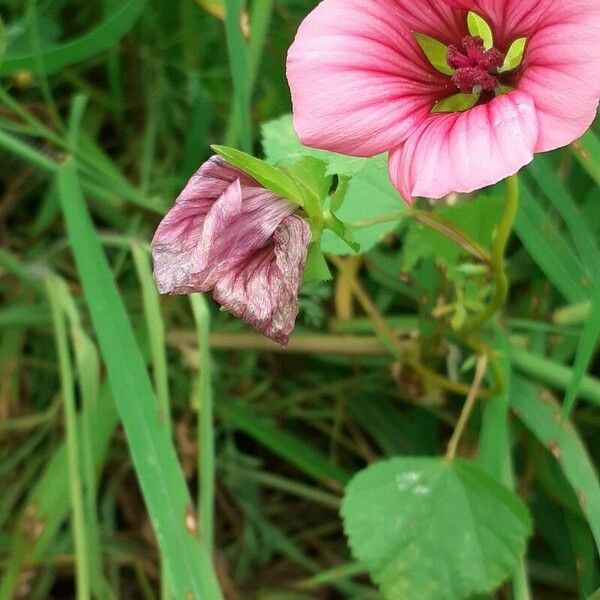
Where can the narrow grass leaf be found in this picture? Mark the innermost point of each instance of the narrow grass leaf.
(102, 37)
(153, 454)
(543, 418)
(155, 327)
(74, 449)
(238, 61)
(559, 196)
(549, 250)
(586, 350)
(284, 444)
(553, 373)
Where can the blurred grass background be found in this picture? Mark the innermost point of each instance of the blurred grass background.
(106, 109)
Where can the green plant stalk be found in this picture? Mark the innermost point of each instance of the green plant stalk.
(468, 407)
(206, 433)
(553, 373)
(156, 329)
(68, 395)
(388, 338)
(499, 244)
(435, 222)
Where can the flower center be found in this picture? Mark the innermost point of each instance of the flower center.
(475, 68)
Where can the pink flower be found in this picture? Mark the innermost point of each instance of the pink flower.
(228, 234)
(362, 85)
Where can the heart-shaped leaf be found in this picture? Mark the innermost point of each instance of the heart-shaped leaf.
(433, 529)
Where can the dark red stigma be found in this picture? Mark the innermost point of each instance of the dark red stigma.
(474, 65)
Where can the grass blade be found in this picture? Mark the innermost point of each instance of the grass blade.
(543, 418)
(585, 351)
(238, 60)
(73, 446)
(553, 373)
(305, 457)
(156, 329)
(584, 239)
(549, 250)
(101, 38)
(154, 457)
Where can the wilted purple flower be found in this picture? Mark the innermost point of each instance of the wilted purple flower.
(228, 234)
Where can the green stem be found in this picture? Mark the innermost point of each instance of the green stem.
(389, 339)
(73, 449)
(449, 230)
(435, 222)
(499, 243)
(468, 407)
(206, 433)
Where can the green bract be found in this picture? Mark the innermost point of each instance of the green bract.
(270, 177)
(478, 26)
(514, 56)
(433, 529)
(457, 103)
(435, 51)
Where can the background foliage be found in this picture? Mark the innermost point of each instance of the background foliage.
(106, 109)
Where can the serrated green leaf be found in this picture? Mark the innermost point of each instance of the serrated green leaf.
(514, 56)
(280, 142)
(479, 27)
(477, 218)
(268, 176)
(435, 51)
(456, 103)
(368, 192)
(434, 530)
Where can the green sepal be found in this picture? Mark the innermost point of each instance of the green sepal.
(435, 51)
(316, 268)
(456, 103)
(514, 56)
(479, 27)
(272, 178)
(310, 175)
(338, 228)
(337, 198)
(311, 172)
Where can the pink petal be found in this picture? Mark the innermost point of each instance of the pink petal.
(263, 291)
(561, 70)
(510, 19)
(177, 237)
(463, 152)
(360, 84)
